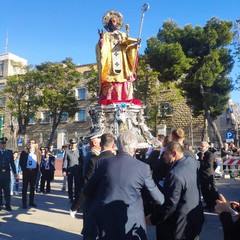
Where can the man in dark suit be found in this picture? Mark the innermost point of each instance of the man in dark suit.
(88, 169)
(6, 161)
(207, 181)
(116, 189)
(30, 160)
(181, 215)
(107, 143)
(156, 161)
(107, 146)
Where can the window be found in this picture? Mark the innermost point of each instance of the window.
(81, 115)
(46, 118)
(81, 93)
(31, 120)
(64, 117)
(2, 85)
(2, 102)
(81, 133)
(1, 69)
(165, 109)
(169, 130)
(2, 120)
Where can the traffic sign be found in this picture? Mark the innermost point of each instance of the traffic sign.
(229, 136)
(20, 142)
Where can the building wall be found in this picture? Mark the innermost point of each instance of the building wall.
(181, 116)
(41, 131)
(229, 121)
(8, 65)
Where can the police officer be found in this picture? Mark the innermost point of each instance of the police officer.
(6, 160)
(72, 168)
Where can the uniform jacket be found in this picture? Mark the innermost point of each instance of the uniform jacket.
(24, 157)
(181, 215)
(116, 188)
(70, 160)
(6, 164)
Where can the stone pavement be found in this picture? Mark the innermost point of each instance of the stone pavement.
(50, 220)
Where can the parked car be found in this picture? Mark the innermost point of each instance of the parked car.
(58, 152)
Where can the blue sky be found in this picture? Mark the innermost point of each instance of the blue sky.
(51, 30)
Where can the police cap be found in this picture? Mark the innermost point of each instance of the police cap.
(3, 140)
(73, 140)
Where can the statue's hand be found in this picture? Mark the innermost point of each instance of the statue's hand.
(101, 33)
(139, 41)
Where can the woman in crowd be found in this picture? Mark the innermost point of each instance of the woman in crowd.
(47, 170)
(14, 186)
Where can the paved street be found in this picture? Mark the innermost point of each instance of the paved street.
(212, 229)
(51, 219)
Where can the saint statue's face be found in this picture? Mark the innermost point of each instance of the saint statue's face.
(112, 24)
(112, 20)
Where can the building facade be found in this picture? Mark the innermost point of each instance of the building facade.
(39, 127)
(177, 114)
(171, 115)
(229, 122)
(10, 64)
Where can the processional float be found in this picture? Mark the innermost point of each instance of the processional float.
(117, 54)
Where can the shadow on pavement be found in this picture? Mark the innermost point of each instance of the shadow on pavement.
(50, 220)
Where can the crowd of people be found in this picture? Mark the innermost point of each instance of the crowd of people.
(119, 191)
(35, 164)
(166, 194)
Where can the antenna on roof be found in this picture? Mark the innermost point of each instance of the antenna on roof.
(6, 43)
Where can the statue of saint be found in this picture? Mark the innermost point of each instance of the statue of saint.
(117, 60)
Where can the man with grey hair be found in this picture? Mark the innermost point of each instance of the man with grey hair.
(116, 189)
(206, 173)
